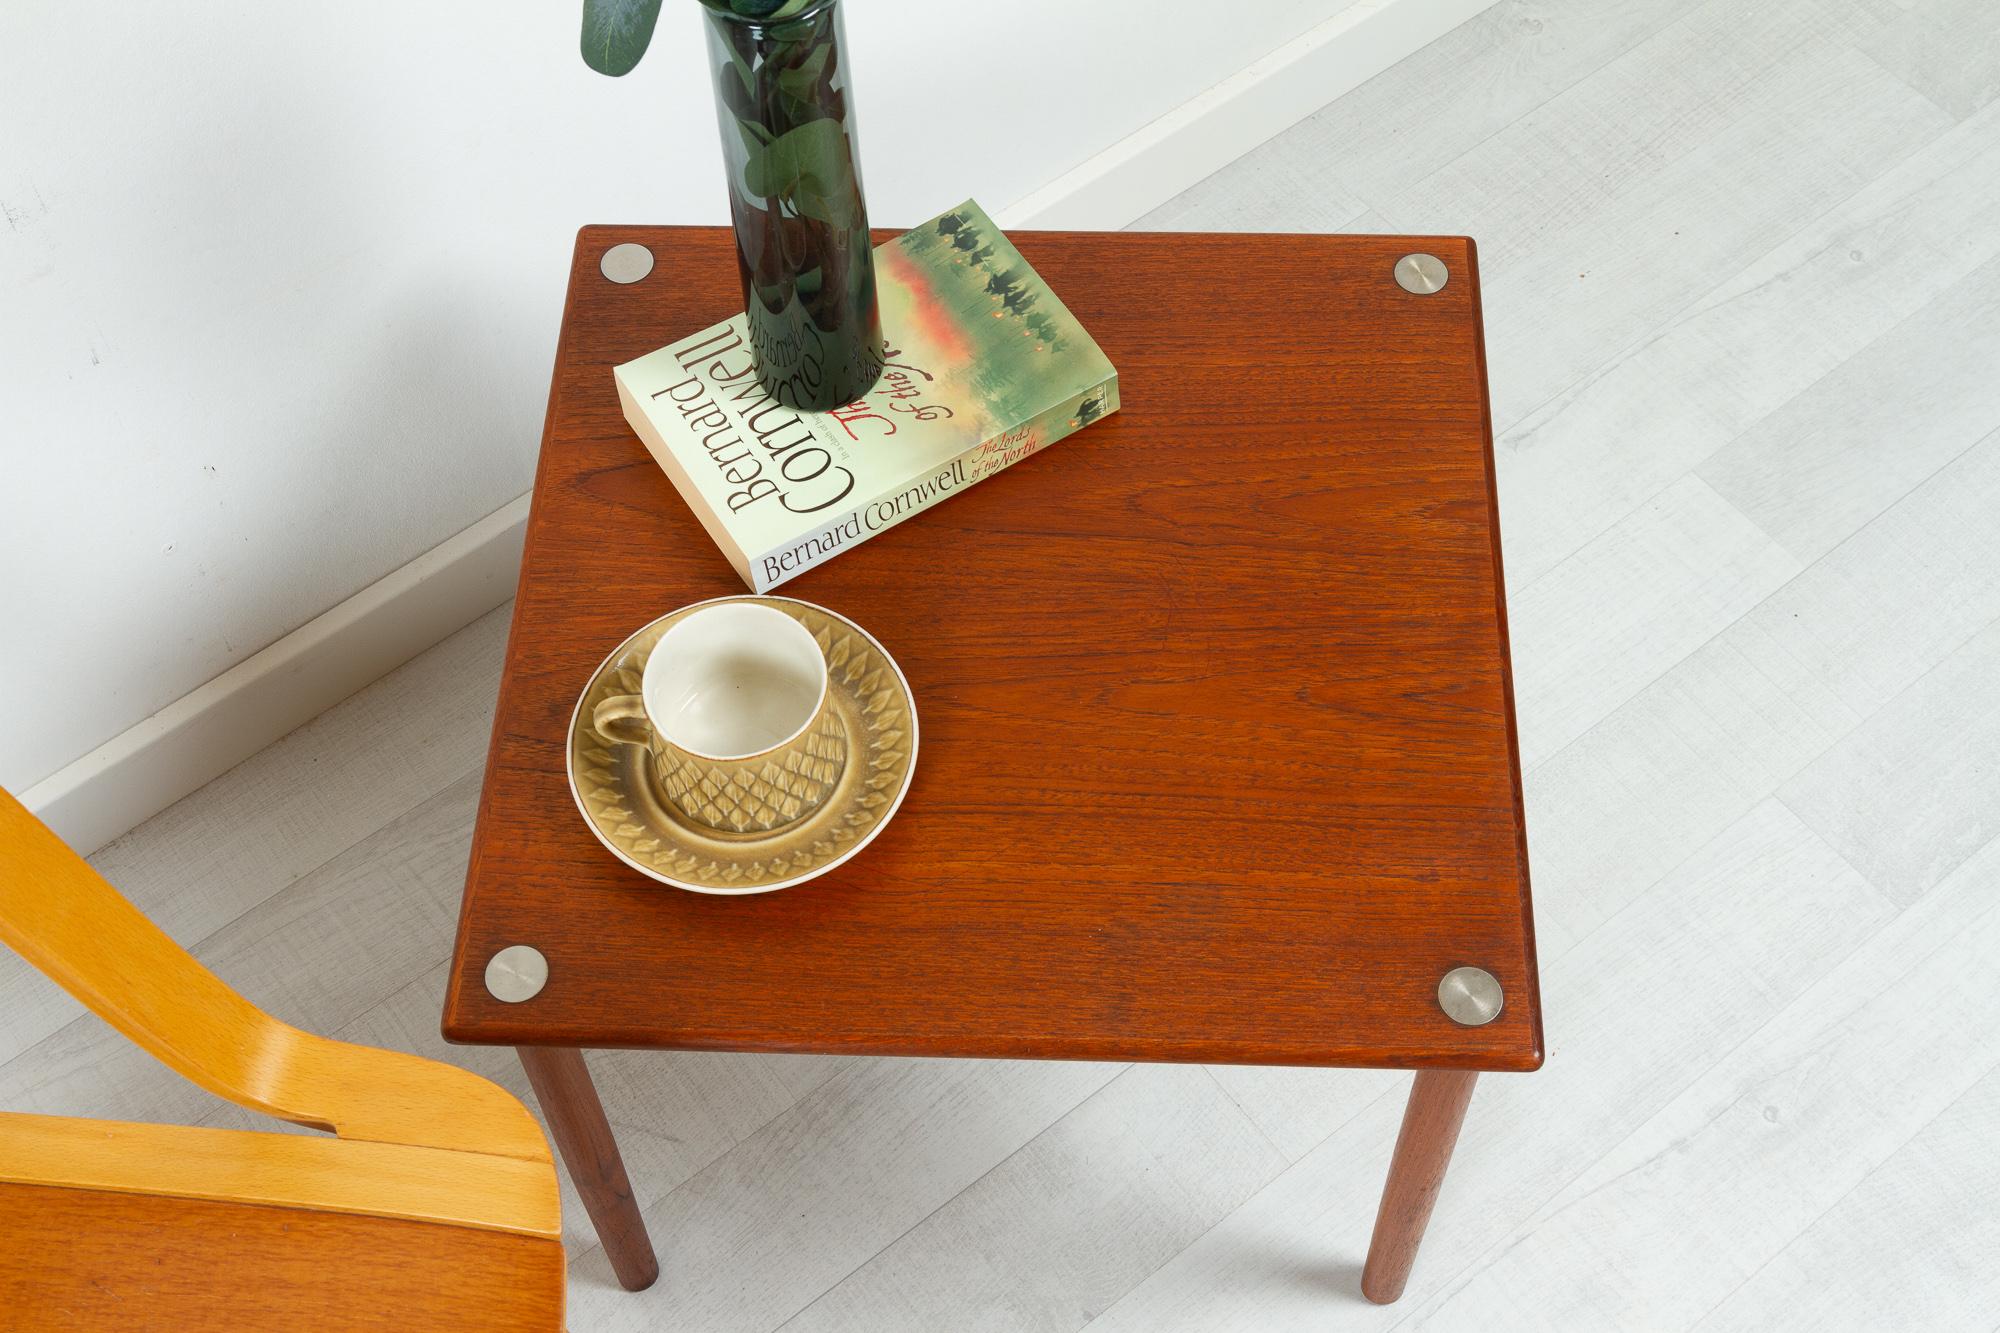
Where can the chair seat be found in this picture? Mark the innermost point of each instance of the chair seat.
(433, 1206)
(105, 1224)
(99, 1259)
(401, 1180)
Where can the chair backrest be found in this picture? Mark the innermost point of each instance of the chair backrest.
(60, 915)
(429, 1158)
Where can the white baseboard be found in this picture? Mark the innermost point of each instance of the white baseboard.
(202, 735)
(142, 771)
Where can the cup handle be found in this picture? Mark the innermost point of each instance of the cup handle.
(621, 719)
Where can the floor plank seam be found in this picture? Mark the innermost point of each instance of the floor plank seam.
(1861, 720)
(1904, 79)
(413, 808)
(1534, 1217)
(1664, 668)
(1245, 1116)
(1843, 1196)
(1842, 1019)
(1623, 53)
(946, 1203)
(1694, 309)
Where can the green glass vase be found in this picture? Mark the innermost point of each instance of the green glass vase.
(787, 119)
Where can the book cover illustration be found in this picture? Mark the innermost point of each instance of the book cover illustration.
(983, 367)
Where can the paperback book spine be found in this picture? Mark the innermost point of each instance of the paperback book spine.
(670, 463)
(910, 498)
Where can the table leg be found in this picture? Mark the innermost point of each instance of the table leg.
(1416, 1173)
(576, 1120)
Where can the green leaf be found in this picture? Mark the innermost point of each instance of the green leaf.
(616, 32)
(737, 97)
(836, 208)
(802, 78)
(812, 167)
(725, 42)
(792, 110)
(755, 136)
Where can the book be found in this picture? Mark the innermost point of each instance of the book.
(983, 367)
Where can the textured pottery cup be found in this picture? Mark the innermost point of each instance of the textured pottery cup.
(733, 708)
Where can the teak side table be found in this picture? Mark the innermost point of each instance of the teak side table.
(1218, 758)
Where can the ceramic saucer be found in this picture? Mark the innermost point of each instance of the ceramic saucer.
(613, 787)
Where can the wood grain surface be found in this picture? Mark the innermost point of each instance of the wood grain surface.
(92, 1260)
(63, 917)
(1218, 757)
(399, 1180)
(590, 1150)
(1431, 1122)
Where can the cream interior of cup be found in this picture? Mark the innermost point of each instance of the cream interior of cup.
(734, 680)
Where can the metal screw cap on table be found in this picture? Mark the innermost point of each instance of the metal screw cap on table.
(1470, 996)
(518, 972)
(1421, 273)
(626, 263)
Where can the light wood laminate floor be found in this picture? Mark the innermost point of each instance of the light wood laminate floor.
(1742, 290)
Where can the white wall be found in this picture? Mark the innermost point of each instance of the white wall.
(279, 284)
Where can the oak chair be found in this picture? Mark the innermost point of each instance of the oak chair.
(434, 1207)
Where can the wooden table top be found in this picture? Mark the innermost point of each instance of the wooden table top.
(1217, 757)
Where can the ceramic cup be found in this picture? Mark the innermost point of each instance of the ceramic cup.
(733, 707)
